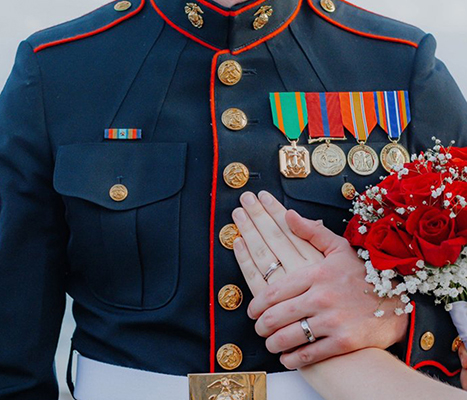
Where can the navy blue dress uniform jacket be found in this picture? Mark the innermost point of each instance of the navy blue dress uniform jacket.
(144, 273)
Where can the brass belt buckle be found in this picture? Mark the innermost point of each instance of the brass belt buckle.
(229, 386)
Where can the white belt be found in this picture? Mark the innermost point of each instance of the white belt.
(100, 381)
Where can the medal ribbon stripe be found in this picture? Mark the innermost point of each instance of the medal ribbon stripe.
(324, 115)
(380, 105)
(301, 110)
(289, 113)
(358, 113)
(393, 112)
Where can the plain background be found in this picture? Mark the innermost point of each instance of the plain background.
(445, 19)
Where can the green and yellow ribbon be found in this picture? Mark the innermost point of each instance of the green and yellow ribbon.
(289, 113)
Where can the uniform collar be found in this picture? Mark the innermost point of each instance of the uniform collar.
(228, 29)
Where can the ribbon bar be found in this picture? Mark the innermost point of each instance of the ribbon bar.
(123, 134)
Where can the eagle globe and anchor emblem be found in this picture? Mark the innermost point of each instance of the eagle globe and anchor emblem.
(230, 390)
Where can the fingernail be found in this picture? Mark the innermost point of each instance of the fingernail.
(248, 199)
(240, 215)
(265, 198)
(238, 244)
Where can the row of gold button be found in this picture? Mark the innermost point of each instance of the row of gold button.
(236, 175)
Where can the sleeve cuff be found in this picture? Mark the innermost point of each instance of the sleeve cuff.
(429, 346)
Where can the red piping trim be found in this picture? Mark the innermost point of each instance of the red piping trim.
(360, 33)
(411, 335)
(180, 30)
(430, 363)
(231, 13)
(215, 170)
(93, 33)
(275, 33)
(246, 48)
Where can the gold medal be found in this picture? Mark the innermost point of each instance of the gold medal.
(294, 161)
(328, 159)
(363, 160)
(393, 155)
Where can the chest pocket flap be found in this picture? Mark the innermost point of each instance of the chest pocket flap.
(150, 171)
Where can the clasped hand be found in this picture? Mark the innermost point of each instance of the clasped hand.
(321, 279)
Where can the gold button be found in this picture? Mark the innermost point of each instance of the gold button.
(118, 192)
(228, 234)
(349, 191)
(456, 344)
(234, 119)
(229, 356)
(236, 175)
(230, 297)
(122, 6)
(427, 341)
(230, 72)
(328, 5)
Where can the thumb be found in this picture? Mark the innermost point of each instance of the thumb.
(314, 232)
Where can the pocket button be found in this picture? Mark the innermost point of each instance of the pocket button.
(118, 192)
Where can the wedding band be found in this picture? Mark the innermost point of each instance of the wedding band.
(272, 267)
(307, 330)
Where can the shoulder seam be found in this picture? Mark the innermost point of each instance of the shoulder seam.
(92, 33)
(360, 33)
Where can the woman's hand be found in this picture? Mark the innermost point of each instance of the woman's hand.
(463, 357)
(322, 280)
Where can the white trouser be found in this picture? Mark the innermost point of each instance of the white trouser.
(100, 381)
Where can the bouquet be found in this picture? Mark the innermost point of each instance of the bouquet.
(411, 230)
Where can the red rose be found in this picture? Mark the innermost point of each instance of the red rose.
(418, 189)
(392, 184)
(459, 155)
(389, 246)
(434, 236)
(352, 233)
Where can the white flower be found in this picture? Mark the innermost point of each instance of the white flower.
(448, 307)
(362, 230)
(379, 313)
(420, 264)
(400, 288)
(398, 311)
(408, 308)
(400, 211)
(405, 299)
(448, 195)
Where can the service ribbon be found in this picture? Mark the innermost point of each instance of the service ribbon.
(289, 113)
(393, 112)
(324, 114)
(358, 113)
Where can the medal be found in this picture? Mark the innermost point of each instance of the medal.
(290, 117)
(294, 161)
(359, 117)
(363, 160)
(325, 124)
(394, 155)
(393, 114)
(328, 159)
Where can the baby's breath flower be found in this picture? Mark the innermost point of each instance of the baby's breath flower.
(379, 313)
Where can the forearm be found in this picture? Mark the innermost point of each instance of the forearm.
(371, 374)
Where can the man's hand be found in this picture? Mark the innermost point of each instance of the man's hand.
(328, 289)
